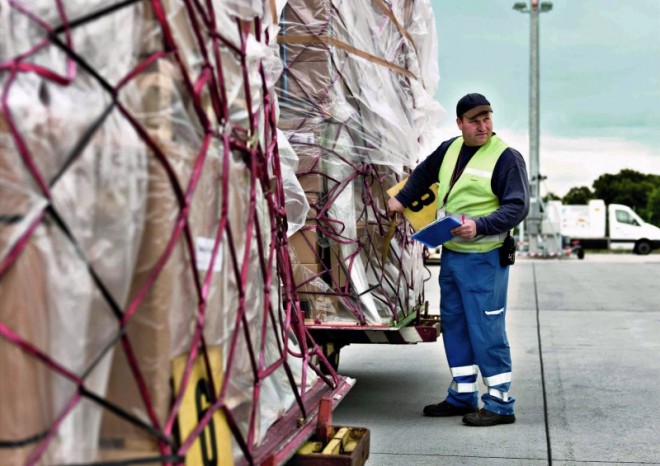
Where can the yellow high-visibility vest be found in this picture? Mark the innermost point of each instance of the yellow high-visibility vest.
(472, 195)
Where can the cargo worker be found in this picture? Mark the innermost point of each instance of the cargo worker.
(482, 183)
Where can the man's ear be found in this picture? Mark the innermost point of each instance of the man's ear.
(459, 123)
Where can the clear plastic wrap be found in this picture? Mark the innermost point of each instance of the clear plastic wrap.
(140, 240)
(356, 101)
(90, 173)
(297, 205)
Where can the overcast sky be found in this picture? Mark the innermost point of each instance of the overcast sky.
(600, 81)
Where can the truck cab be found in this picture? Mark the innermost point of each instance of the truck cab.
(628, 231)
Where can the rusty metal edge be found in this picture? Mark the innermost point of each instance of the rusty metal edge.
(287, 435)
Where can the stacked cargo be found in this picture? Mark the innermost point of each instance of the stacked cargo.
(146, 307)
(356, 104)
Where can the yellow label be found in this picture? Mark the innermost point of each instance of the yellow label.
(421, 211)
(213, 446)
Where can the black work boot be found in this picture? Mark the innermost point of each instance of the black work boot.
(446, 409)
(485, 418)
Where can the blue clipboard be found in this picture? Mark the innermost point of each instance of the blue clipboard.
(436, 233)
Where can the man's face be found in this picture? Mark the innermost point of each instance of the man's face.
(476, 130)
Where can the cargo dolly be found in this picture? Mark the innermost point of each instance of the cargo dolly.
(418, 326)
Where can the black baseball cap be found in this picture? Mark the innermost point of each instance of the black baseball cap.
(472, 105)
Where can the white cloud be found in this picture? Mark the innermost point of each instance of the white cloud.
(572, 162)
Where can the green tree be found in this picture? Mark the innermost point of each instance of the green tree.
(631, 188)
(580, 195)
(551, 197)
(653, 207)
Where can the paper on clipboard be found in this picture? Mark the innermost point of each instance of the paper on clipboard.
(436, 233)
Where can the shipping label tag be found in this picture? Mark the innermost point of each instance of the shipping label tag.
(302, 138)
(204, 252)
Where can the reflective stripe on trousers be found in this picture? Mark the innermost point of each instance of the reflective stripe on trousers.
(470, 387)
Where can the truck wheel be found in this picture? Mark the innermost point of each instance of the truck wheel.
(643, 248)
(580, 253)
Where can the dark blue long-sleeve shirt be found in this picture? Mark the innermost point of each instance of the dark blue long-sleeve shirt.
(509, 183)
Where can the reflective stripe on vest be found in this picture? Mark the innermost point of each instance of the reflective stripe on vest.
(472, 195)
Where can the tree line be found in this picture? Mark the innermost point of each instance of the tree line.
(629, 187)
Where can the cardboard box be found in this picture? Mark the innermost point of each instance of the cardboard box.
(312, 183)
(25, 382)
(310, 84)
(308, 280)
(148, 330)
(293, 127)
(314, 205)
(303, 244)
(309, 163)
(306, 17)
(339, 265)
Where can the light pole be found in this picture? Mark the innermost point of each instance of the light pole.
(535, 216)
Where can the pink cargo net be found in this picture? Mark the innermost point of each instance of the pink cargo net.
(147, 300)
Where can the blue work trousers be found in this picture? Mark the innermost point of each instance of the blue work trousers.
(473, 288)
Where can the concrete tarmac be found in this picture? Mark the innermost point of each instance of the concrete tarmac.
(585, 343)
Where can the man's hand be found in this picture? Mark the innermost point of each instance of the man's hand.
(394, 206)
(467, 230)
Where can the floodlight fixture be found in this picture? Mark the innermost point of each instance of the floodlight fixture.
(523, 8)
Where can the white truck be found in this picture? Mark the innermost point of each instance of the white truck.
(596, 226)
